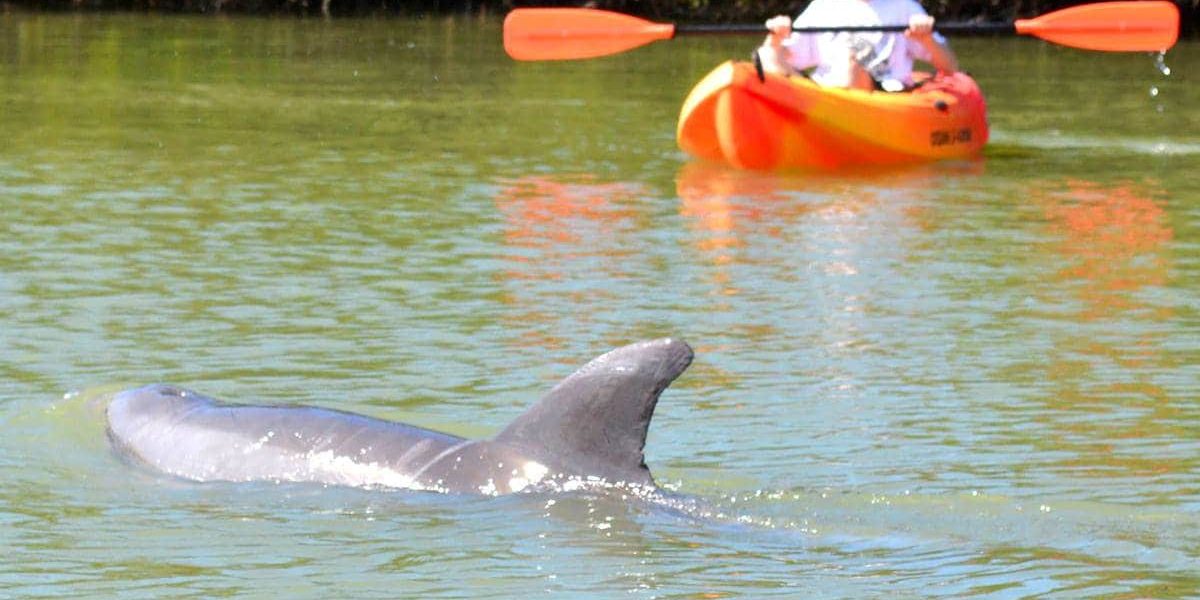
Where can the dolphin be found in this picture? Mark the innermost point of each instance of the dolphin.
(589, 429)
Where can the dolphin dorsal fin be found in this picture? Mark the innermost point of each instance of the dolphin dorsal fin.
(594, 422)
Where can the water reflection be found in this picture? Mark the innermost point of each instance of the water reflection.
(1107, 403)
(854, 210)
(1112, 239)
(567, 240)
(718, 202)
(819, 268)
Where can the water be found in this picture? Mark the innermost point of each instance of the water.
(970, 379)
(1160, 61)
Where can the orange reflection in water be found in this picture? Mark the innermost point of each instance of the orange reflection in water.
(553, 224)
(546, 212)
(708, 198)
(1110, 237)
(1112, 241)
(815, 247)
(727, 207)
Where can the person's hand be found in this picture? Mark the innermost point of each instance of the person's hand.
(919, 27)
(780, 27)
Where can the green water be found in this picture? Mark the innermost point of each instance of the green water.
(962, 380)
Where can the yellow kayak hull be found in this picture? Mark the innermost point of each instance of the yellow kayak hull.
(790, 122)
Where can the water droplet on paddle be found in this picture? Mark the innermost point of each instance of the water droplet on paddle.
(1154, 92)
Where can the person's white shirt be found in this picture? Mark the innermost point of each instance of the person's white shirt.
(887, 57)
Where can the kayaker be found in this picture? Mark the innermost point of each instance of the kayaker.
(864, 60)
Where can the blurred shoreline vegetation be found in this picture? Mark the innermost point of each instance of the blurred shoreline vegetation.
(695, 11)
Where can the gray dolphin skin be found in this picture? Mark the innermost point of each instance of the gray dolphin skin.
(590, 428)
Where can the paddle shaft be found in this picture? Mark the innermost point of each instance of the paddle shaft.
(981, 28)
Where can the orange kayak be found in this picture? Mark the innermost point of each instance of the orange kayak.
(784, 122)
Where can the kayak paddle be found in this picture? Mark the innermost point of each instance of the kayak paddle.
(571, 33)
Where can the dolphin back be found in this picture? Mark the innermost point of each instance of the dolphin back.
(192, 436)
(594, 423)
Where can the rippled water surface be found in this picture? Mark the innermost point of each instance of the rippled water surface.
(961, 380)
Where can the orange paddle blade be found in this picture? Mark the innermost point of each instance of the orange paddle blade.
(1112, 26)
(570, 33)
